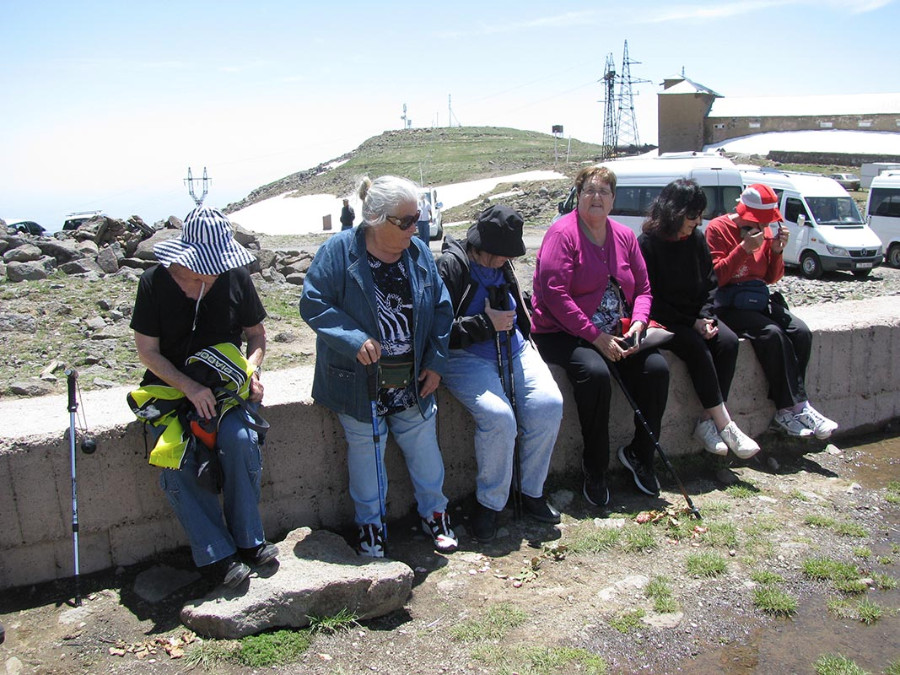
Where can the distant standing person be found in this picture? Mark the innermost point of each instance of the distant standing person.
(747, 256)
(683, 284)
(424, 225)
(347, 215)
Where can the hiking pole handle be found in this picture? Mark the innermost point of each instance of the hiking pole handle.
(71, 380)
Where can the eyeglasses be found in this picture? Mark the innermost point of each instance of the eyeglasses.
(405, 222)
(593, 192)
(693, 216)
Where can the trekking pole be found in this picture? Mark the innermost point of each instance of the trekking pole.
(517, 455)
(372, 382)
(615, 372)
(71, 378)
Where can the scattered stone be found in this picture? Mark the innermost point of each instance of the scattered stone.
(832, 449)
(22, 254)
(853, 487)
(14, 666)
(609, 523)
(21, 323)
(767, 499)
(664, 620)
(75, 615)
(28, 271)
(317, 574)
(161, 581)
(95, 323)
(562, 499)
(284, 336)
(104, 384)
(30, 388)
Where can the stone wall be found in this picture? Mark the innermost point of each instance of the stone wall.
(854, 377)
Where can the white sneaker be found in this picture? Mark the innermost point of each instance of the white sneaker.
(738, 442)
(709, 438)
(787, 421)
(816, 422)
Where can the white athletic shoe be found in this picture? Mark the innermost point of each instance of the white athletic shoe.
(787, 421)
(738, 442)
(709, 438)
(816, 422)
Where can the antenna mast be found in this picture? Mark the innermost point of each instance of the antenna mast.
(610, 114)
(450, 115)
(190, 183)
(627, 123)
(407, 123)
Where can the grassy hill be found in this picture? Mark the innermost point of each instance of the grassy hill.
(432, 157)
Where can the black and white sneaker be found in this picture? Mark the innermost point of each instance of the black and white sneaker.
(644, 476)
(229, 572)
(595, 489)
(438, 527)
(371, 541)
(260, 555)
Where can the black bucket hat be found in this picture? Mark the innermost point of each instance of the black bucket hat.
(498, 231)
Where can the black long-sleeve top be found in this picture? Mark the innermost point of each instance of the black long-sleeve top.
(682, 278)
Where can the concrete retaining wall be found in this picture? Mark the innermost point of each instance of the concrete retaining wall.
(854, 377)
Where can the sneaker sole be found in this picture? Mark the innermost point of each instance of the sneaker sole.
(721, 452)
(780, 429)
(637, 481)
(591, 501)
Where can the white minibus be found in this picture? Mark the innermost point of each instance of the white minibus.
(639, 181)
(883, 212)
(827, 231)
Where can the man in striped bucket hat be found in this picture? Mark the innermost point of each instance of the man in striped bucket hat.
(201, 295)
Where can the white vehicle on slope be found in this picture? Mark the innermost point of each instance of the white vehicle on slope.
(827, 231)
(883, 213)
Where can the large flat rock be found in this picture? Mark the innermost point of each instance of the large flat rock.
(317, 574)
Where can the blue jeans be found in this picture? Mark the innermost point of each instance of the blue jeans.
(423, 227)
(417, 438)
(476, 383)
(199, 511)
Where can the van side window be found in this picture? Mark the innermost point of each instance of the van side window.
(885, 202)
(634, 201)
(793, 209)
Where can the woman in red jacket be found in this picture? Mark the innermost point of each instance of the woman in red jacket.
(747, 256)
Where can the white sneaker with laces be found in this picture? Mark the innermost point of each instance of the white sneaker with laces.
(371, 541)
(709, 438)
(738, 442)
(438, 527)
(785, 420)
(816, 422)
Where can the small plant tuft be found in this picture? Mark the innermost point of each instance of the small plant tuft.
(638, 539)
(705, 564)
(774, 601)
(837, 664)
(766, 577)
(493, 625)
(627, 621)
(660, 591)
(343, 620)
(272, 649)
(742, 490)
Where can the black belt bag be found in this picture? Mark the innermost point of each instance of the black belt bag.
(395, 372)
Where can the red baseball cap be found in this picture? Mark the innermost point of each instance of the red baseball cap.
(759, 204)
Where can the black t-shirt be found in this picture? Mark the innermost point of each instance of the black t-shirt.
(163, 311)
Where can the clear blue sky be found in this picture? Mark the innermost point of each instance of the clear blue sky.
(106, 104)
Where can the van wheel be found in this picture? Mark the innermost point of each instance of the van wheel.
(893, 256)
(810, 265)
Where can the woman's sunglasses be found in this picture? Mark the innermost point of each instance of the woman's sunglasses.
(405, 222)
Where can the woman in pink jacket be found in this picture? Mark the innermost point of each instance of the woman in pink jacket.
(585, 263)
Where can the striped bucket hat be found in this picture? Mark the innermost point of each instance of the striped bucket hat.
(206, 244)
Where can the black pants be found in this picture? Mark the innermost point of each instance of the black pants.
(710, 363)
(783, 344)
(646, 374)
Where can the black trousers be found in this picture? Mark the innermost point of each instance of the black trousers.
(710, 363)
(782, 343)
(646, 374)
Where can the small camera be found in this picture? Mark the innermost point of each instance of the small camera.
(632, 340)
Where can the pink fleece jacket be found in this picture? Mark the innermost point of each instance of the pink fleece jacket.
(572, 272)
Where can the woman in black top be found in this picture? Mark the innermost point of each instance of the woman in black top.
(681, 274)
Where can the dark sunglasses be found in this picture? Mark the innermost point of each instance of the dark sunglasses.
(405, 222)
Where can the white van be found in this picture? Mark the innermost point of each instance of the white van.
(639, 181)
(883, 213)
(827, 231)
(436, 233)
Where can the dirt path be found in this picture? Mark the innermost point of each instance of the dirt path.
(561, 600)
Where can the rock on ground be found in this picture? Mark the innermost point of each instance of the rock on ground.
(317, 574)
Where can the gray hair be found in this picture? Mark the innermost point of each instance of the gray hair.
(381, 196)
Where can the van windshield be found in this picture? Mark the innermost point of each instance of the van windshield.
(834, 210)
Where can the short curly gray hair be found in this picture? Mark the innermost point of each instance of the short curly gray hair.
(381, 196)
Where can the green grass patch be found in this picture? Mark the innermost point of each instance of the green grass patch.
(742, 490)
(885, 560)
(798, 495)
(638, 539)
(705, 564)
(851, 586)
(720, 535)
(715, 507)
(851, 530)
(272, 649)
(884, 582)
(627, 621)
(659, 590)
(528, 660)
(211, 653)
(774, 601)
(837, 664)
(819, 521)
(766, 577)
(829, 569)
(343, 620)
(841, 608)
(592, 539)
(493, 625)
(862, 552)
(893, 668)
(869, 612)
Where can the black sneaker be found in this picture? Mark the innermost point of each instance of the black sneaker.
(644, 477)
(260, 555)
(484, 524)
(540, 509)
(371, 541)
(230, 572)
(595, 490)
(438, 527)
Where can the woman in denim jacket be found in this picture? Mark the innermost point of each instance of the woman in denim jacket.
(374, 298)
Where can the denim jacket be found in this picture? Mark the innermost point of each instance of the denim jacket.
(338, 303)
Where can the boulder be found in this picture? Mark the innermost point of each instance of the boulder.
(136, 263)
(88, 248)
(30, 271)
(109, 258)
(82, 266)
(62, 250)
(21, 254)
(317, 574)
(295, 278)
(145, 248)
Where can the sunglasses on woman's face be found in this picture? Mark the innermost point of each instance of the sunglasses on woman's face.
(405, 222)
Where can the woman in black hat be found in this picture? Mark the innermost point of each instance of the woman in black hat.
(490, 327)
